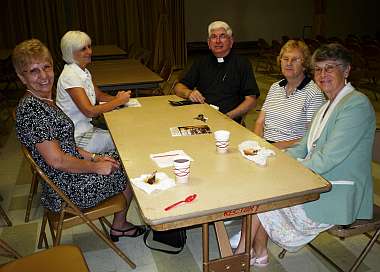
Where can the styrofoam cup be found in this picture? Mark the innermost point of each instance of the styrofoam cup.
(222, 140)
(181, 169)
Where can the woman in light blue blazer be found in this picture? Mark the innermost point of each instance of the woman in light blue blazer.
(338, 146)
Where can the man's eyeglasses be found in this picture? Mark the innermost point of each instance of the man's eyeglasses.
(35, 72)
(286, 60)
(328, 68)
(221, 37)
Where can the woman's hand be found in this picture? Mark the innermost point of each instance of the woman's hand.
(123, 96)
(106, 158)
(106, 165)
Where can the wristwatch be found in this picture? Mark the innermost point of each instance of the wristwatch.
(93, 157)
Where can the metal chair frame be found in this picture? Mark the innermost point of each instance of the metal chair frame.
(358, 227)
(4, 215)
(8, 251)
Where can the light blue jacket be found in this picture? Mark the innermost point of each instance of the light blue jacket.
(343, 152)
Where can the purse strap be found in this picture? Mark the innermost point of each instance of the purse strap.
(146, 234)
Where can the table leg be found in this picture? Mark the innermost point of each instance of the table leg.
(248, 232)
(205, 247)
(227, 262)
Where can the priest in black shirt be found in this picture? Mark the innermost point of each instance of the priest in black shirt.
(221, 78)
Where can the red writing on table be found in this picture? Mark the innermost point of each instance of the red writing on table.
(251, 209)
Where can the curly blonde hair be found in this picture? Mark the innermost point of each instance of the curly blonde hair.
(27, 52)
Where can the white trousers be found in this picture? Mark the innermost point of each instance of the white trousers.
(96, 140)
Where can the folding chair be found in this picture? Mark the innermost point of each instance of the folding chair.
(358, 227)
(58, 259)
(70, 215)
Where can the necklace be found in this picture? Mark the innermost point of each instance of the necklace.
(39, 97)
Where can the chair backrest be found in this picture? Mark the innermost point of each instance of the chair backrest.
(143, 55)
(166, 70)
(57, 259)
(132, 50)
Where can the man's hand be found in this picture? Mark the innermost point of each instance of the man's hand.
(196, 96)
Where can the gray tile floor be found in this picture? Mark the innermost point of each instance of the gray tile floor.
(15, 178)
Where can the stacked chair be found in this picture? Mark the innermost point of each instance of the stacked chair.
(165, 72)
(4, 216)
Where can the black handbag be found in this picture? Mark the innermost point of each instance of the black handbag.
(169, 241)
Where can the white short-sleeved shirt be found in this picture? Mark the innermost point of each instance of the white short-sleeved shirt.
(287, 117)
(73, 76)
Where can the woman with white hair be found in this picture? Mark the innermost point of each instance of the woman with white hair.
(77, 94)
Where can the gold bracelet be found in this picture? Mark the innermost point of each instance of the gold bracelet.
(93, 157)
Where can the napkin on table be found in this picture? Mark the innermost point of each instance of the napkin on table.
(262, 154)
(166, 159)
(132, 103)
(163, 182)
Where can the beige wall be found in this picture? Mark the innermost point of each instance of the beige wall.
(270, 19)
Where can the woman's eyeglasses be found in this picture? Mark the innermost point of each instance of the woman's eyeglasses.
(286, 60)
(328, 68)
(35, 72)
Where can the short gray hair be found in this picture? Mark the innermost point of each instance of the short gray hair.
(219, 24)
(73, 41)
(332, 51)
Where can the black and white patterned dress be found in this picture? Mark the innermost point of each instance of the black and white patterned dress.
(36, 122)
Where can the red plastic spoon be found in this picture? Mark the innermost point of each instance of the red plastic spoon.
(188, 199)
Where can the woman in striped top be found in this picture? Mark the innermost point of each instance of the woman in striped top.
(292, 101)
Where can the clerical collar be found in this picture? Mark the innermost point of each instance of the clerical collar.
(224, 59)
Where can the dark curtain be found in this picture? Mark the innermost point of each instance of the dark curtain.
(170, 35)
(42, 19)
(120, 22)
(319, 20)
